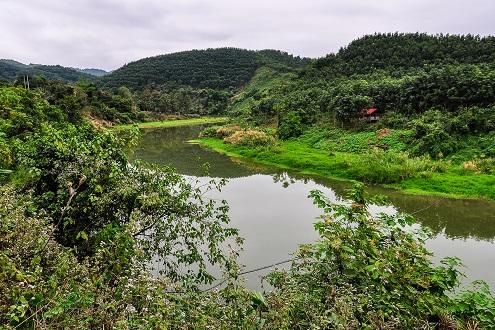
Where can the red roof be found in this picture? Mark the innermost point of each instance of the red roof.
(370, 111)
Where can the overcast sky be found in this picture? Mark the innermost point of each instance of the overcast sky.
(108, 33)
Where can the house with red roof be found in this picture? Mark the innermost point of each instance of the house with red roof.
(370, 115)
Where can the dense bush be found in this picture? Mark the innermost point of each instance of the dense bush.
(228, 130)
(369, 271)
(45, 286)
(483, 165)
(250, 138)
(439, 134)
(290, 126)
(476, 303)
(210, 131)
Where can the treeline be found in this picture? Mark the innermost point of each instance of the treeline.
(12, 70)
(122, 105)
(399, 52)
(221, 68)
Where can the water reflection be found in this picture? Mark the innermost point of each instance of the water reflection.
(274, 215)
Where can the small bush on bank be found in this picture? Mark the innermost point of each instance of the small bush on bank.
(250, 138)
(484, 165)
(477, 303)
(210, 131)
(227, 130)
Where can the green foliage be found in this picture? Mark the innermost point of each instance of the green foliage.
(45, 286)
(182, 100)
(404, 51)
(210, 131)
(477, 303)
(23, 111)
(483, 165)
(367, 271)
(290, 126)
(83, 181)
(440, 134)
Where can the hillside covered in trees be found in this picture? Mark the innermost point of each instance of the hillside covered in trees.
(11, 70)
(404, 76)
(399, 52)
(221, 68)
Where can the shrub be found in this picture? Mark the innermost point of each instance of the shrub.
(45, 286)
(478, 304)
(483, 165)
(210, 131)
(367, 271)
(250, 138)
(227, 130)
(290, 126)
(5, 153)
(394, 119)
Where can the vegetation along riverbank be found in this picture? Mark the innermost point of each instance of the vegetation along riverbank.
(341, 154)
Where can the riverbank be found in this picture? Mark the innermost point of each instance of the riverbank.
(176, 122)
(450, 182)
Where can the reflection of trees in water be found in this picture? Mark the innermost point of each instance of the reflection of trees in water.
(284, 178)
(168, 146)
(453, 217)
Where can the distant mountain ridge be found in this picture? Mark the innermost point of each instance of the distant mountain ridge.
(11, 70)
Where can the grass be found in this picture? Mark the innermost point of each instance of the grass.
(452, 184)
(177, 122)
(410, 175)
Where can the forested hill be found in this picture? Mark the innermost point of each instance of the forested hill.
(399, 52)
(219, 68)
(11, 70)
(441, 88)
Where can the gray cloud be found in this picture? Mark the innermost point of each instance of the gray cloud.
(109, 33)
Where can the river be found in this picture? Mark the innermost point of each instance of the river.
(271, 209)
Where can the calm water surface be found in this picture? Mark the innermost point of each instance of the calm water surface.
(274, 215)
